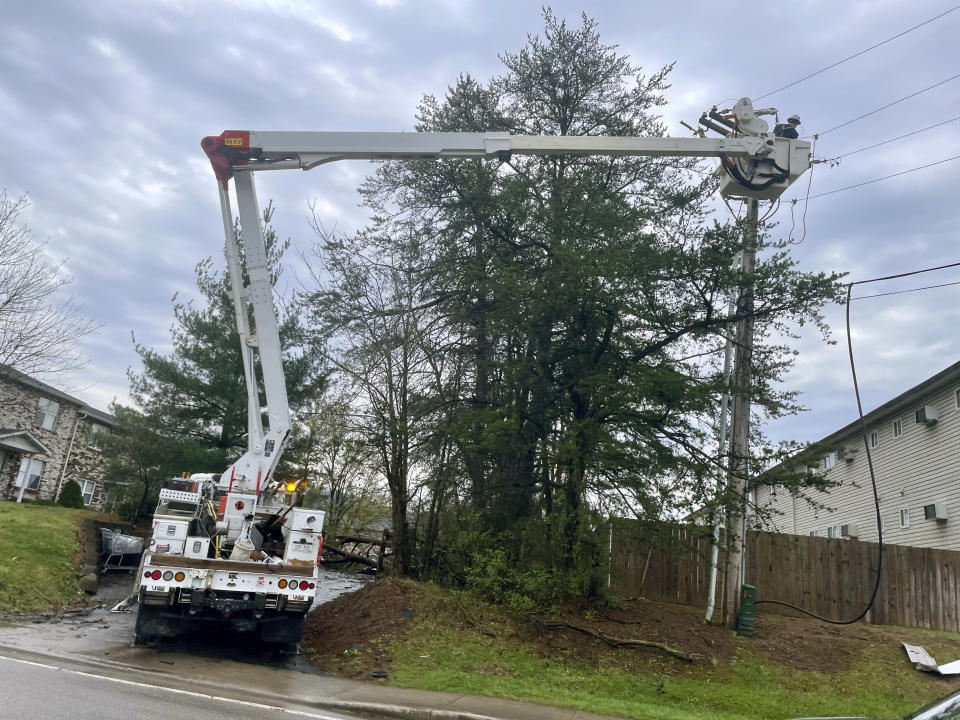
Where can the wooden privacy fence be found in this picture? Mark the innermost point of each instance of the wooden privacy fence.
(920, 587)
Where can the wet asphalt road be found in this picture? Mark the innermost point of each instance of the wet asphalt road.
(52, 668)
(101, 633)
(39, 691)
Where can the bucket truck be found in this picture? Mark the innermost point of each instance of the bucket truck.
(251, 560)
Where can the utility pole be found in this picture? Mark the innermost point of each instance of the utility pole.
(740, 417)
(722, 445)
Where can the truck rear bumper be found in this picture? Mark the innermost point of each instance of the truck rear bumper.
(177, 611)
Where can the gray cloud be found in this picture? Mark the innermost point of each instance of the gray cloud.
(104, 104)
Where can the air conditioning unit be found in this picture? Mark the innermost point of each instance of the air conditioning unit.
(848, 454)
(851, 530)
(936, 511)
(927, 415)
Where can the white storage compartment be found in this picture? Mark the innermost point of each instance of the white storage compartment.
(302, 529)
(173, 547)
(197, 547)
(164, 530)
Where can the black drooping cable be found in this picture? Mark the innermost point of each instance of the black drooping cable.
(866, 445)
(873, 482)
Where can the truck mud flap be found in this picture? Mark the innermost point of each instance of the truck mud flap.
(287, 630)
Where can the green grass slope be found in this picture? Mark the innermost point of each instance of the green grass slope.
(38, 557)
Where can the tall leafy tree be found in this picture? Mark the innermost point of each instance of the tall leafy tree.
(583, 298)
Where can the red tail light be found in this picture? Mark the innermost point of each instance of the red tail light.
(147, 574)
(312, 586)
(156, 574)
(304, 584)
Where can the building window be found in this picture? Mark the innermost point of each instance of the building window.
(829, 460)
(897, 428)
(30, 470)
(47, 411)
(904, 517)
(813, 533)
(86, 489)
(956, 396)
(832, 531)
(874, 439)
(98, 436)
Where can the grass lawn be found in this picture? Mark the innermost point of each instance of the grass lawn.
(794, 667)
(437, 657)
(38, 557)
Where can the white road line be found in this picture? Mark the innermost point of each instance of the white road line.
(246, 703)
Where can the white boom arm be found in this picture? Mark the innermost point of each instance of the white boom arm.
(255, 150)
(778, 162)
(264, 447)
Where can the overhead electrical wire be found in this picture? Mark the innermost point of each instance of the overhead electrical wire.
(908, 274)
(889, 105)
(899, 137)
(856, 55)
(908, 290)
(806, 202)
(885, 177)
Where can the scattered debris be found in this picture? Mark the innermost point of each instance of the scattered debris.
(924, 661)
(617, 642)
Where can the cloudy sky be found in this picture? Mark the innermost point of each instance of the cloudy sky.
(103, 105)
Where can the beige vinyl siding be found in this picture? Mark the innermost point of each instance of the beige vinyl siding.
(921, 467)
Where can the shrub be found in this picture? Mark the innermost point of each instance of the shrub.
(71, 496)
(492, 576)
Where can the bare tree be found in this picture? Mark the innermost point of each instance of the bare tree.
(374, 318)
(41, 325)
(343, 478)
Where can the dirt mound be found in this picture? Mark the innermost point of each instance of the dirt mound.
(354, 635)
(351, 635)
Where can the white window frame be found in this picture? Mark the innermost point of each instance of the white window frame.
(47, 413)
(98, 436)
(813, 533)
(30, 466)
(904, 518)
(87, 487)
(830, 460)
(832, 531)
(874, 439)
(898, 428)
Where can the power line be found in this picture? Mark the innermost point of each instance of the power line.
(885, 177)
(906, 274)
(851, 57)
(899, 137)
(888, 105)
(901, 292)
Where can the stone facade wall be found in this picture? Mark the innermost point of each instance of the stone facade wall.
(18, 410)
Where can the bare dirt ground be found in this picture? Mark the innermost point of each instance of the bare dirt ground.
(371, 619)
